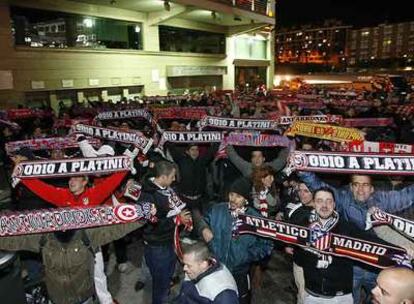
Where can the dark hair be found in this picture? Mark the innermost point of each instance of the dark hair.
(199, 249)
(353, 175)
(164, 167)
(188, 147)
(325, 189)
(260, 173)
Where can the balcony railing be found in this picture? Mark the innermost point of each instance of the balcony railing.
(258, 6)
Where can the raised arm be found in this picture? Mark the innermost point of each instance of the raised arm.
(241, 164)
(394, 201)
(280, 161)
(98, 194)
(54, 195)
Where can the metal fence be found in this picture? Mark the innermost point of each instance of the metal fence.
(257, 6)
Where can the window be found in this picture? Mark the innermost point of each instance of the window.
(174, 39)
(38, 28)
(251, 47)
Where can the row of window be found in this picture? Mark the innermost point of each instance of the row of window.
(39, 28)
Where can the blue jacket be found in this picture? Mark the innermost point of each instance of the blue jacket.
(239, 252)
(215, 286)
(356, 212)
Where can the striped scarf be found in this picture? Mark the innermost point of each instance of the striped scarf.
(263, 204)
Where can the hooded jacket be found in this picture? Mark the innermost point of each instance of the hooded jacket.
(69, 265)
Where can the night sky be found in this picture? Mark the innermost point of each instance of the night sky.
(358, 13)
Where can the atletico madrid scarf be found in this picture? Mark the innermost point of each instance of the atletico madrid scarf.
(58, 219)
(374, 254)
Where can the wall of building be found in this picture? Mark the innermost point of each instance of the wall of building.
(53, 69)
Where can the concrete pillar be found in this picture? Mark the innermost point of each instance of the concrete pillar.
(271, 57)
(125, 93)
(54, 103)
(150, 37)
(81, 97)
(228, 79)
(104, 95)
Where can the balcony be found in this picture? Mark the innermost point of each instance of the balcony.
(262, 7)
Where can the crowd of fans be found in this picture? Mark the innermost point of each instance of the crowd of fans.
(189, 185)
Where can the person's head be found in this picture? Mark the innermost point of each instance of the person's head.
(197, 258)
(124, 126)
(57, 154)
(37, 132)
(193, 151)
(164, 172)
(77, 184)
(65, 236)
(257, 158)
(263, 178)
(305, 195)
(361, 187)
(394, 286)
(239, 193)
(324, 201)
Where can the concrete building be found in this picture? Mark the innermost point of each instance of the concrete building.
(382, 42)
(324, 44)
(74, 50)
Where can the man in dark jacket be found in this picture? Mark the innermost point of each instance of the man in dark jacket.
(237, 252)
(191, 186)
(159, 237)
(328, 279)
(257, 159)
(207, 281)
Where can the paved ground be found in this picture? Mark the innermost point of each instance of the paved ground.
(277, 286)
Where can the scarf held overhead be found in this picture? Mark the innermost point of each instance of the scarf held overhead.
(323, 131)
(130, 137)
(287, 120)
(123, 114)
(50, 143)
(368, 122)
(58, 219)
(402, 225)
(190, 137)
(236, 123)
(377, 147)
(377, 255)
(343, 162)
(257, 139)
(72, 167)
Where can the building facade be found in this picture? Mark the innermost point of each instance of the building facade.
(77, 50)
(383, 42)
(310, 44)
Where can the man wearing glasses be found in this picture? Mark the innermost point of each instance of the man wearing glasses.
(353, 204)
